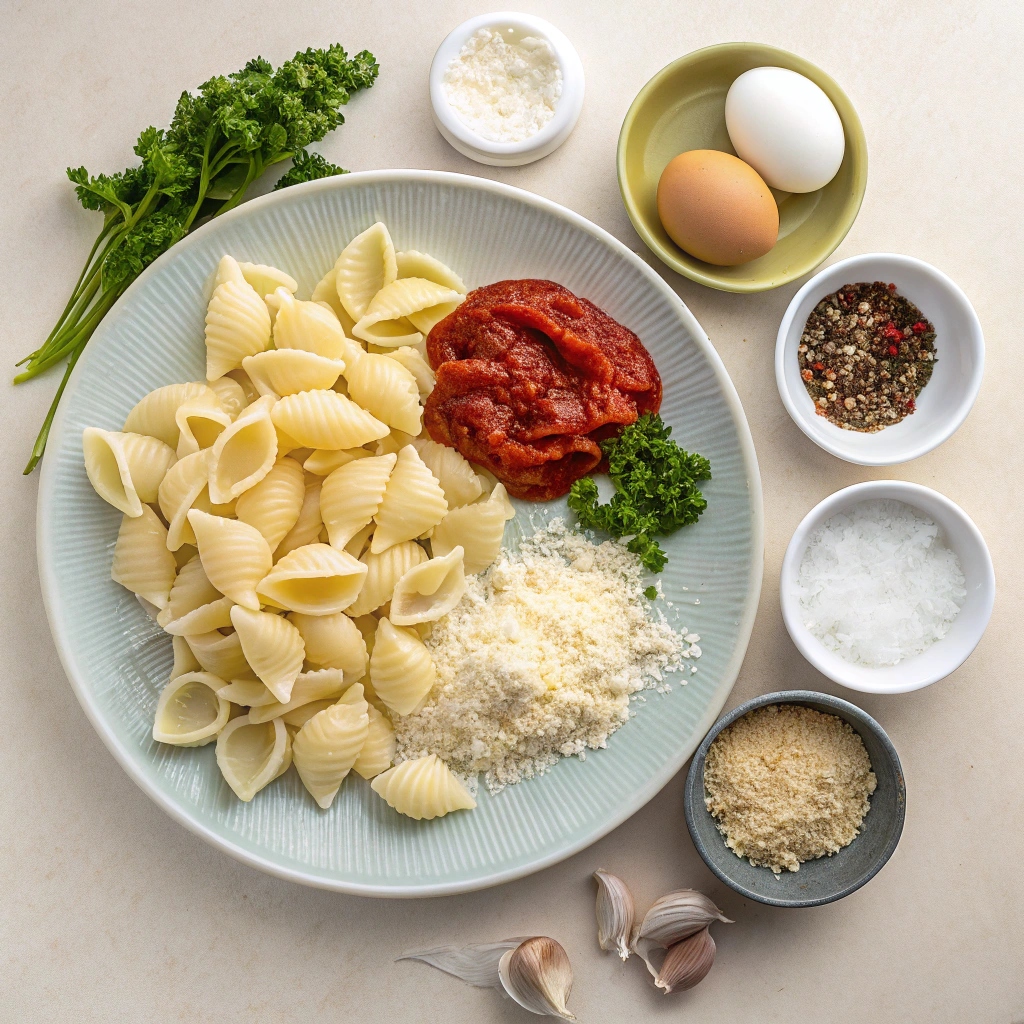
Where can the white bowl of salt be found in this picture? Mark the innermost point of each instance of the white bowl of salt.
(887, 586)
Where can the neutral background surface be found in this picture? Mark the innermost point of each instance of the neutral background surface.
(112, 912)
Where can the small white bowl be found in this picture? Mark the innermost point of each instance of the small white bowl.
(945, 655)
(552, 135)
(945, 400)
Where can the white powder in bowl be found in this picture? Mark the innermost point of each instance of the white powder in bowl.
(504, 91)
(878, 584)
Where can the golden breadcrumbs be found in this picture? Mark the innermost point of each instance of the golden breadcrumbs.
(787, 784)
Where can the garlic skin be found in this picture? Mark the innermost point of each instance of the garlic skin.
(538, 976)
(686, 963)
(476, 964)
(677, 916)
(615, 913)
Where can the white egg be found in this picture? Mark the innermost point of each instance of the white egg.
(786, 128)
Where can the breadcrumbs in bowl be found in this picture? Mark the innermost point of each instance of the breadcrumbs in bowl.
(847, 819)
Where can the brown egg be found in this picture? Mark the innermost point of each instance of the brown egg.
(717, 208)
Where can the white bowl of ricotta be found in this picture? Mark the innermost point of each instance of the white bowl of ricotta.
(506, 89)
(884, 592)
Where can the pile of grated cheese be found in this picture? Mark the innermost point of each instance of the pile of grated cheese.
(504, 91)
(540, 658)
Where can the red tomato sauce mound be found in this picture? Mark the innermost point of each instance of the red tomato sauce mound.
(529, 378)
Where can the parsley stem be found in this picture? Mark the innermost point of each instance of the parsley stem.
(44, 432)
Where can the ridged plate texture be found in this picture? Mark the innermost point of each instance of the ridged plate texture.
(118, 660)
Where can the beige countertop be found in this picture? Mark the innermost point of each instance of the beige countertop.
(113, 912)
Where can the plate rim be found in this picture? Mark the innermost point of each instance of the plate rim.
(52, 599)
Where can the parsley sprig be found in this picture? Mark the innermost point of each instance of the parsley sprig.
(656, 489)
(219, 142)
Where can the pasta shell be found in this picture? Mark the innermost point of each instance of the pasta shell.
(334, 642)
(327, 746)
(314, 579)
(237, 325)
(394, 442)
(298, 717)
(200, 422)
(413, 502)
(366, 265)
(228, 269)
(241, 378)
(454, 473)
(274, 504)
(230, 394)
(179, 491)
(250, 693)
(309, 524)
(309, 686)
(427, 319)
(408, 295)
(378, 750)
(325, 419)
(184, 659)
(479, 529)
(385, 334)
(189, 713)
(387, 390)
(411, 359)
(308, 326)
(125, 470)
(273, 648)
(429, 590)
(358, 544)
(153, 415)
(220, 654)
(401, 669)
(383, 571)
(194, 605)
(142, 562)
(423, 788)
(351, 495)
(418, 264)
(251, 755)
(287, 371)
(266, 280)
(244, 453)
(324, 461)
(235, 555)
(326, 293)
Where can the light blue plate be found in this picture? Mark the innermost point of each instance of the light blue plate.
(118, 660)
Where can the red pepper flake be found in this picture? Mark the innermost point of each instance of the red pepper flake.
(819, 366)
(892, 287)
(807, 374)
(893, 350)
(892, 333)
(920, 327)
(911, 404)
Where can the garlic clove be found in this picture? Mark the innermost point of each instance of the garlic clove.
(615, 913)
(676, 916)
(686, 963)
(538, 976)
(476, 964)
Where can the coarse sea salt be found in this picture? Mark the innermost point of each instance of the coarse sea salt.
(878, 584)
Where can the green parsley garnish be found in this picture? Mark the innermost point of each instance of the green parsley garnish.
(651, 593)
(656, 489)
(219, 142)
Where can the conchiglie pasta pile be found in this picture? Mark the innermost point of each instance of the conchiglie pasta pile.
(293, 530)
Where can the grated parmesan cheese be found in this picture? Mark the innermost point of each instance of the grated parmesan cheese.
(877, 584)
(504, 91)
(540, 658)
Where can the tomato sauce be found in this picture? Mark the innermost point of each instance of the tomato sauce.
(529, 378)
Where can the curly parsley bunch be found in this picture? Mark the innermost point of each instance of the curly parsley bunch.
(219, 142)
(656, 489)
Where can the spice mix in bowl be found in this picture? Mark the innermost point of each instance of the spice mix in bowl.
(879, 359)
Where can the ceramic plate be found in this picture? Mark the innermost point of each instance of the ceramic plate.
(118, 660)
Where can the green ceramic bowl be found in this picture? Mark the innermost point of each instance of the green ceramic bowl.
(682, 108)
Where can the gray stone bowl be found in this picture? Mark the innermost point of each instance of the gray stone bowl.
(828, 878)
